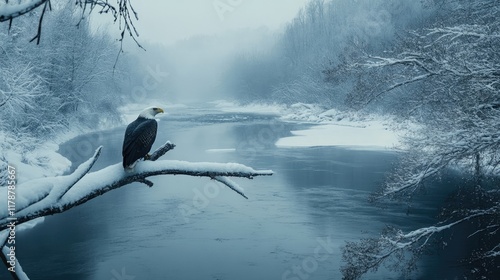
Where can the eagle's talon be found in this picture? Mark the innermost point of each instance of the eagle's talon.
(147, 157)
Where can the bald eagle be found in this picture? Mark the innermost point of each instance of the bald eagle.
(139, 137)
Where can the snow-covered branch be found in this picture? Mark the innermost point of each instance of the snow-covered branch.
(122, 12)
(432, 150)
(414, 59)
(394, 245)
(493, 253)
(452, 33)
(18, 273)
(13, 9)
(48, 196)
(404, 240)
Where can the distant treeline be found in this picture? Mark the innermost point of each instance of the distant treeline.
(321, 36)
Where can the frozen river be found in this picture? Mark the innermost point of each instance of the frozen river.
(192, 228)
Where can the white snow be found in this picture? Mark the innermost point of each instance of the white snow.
(229, 150)
(14, 7)
(374, 135)
(301, 112)
(231, 184)
(257, 108)
(31, 164)
(339, 128)
(150, 166)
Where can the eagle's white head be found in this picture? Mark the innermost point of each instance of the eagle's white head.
(150, 113)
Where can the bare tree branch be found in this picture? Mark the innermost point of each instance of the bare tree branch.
(38, 35)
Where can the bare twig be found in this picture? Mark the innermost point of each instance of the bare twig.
(39, 30)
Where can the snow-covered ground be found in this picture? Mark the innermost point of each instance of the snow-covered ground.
(330, 126)
(34, 159)
(40, 161)
(374, 136)
(336, 128)
(258, 108)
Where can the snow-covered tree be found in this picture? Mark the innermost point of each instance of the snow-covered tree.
(445, 77)
(71, 70)
(77, 65)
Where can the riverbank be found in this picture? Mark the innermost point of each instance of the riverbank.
(34, 158)
(330, 127)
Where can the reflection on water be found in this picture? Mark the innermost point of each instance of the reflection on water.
(316, 199)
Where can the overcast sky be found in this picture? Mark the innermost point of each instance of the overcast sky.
(167, 21)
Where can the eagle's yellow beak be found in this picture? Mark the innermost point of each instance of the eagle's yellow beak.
(160, 110)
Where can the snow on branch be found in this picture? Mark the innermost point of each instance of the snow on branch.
(18, 273)
(13, 9)
(465, 30)
(432, 151)
(232, 185)
(410, 181)
(48, 196)
(421, 236)
(493, 253)
(394, 245)
(122, 11)
(413, 59)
